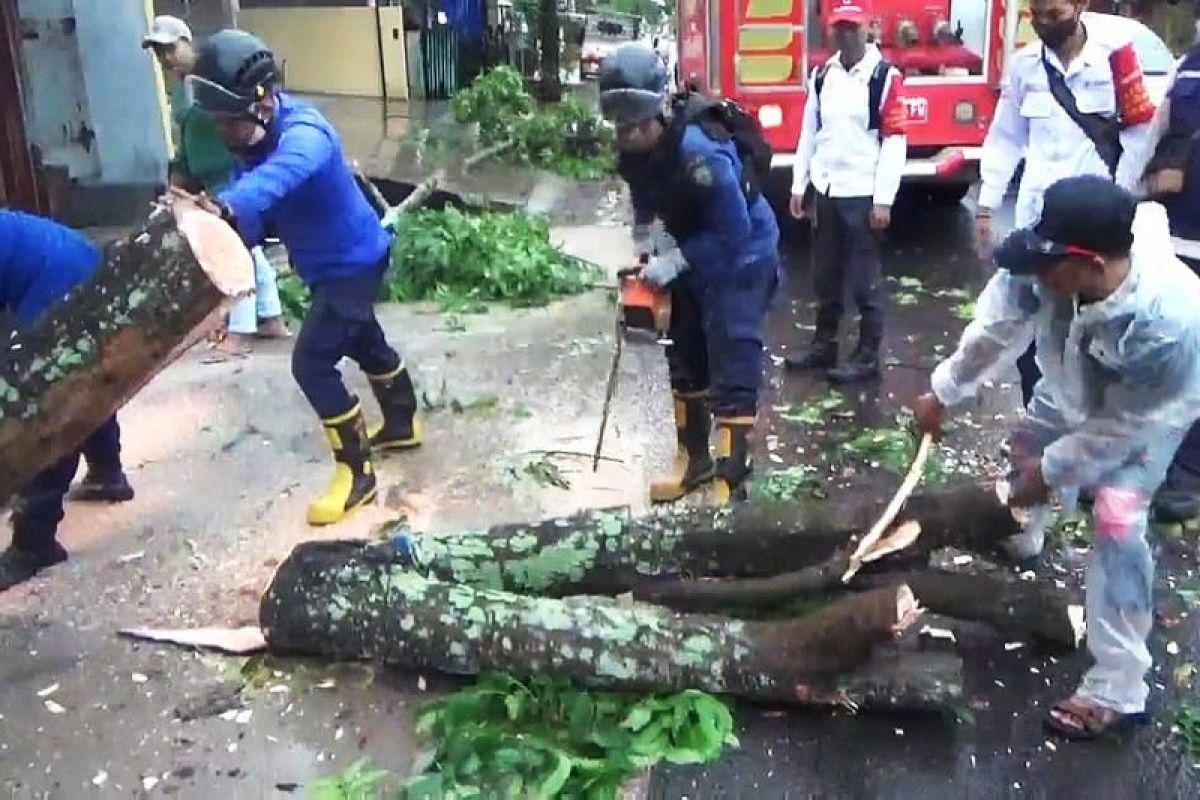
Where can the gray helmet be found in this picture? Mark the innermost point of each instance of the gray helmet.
(633, 84)
(234, 70)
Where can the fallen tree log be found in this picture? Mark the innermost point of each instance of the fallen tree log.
(1017, 608)
(151, 299)
(343, 602)
(610, 552)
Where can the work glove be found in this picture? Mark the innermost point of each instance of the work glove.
(664, 269)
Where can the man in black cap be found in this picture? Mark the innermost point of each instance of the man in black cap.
(1096, 283)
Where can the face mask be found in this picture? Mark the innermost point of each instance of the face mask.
(1056, 35)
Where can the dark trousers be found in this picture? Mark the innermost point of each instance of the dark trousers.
(1188, 455)
(717, 337)
(38, 507)
(340, 324)
(846, 259)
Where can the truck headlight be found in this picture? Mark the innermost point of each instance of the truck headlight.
(965, 112)
(770, 116)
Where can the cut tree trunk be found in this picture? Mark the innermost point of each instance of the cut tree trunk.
(1019, 609)
(153, 297)
(343, 602)
(610, 552)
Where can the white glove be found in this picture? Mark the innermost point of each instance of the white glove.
(661, 241)
(665, 268)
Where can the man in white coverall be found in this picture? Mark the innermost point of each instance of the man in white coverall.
(1113, 311)
(1085, 60)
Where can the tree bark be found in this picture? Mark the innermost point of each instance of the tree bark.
(344, 602)
(550, 86)
(1019, 609)
(610, 552)
(62, 377)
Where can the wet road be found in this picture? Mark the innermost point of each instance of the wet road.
(997, 747)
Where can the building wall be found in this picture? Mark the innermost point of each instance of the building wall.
(92, 98)
(204, 17)
(334, 50)
(123, 91)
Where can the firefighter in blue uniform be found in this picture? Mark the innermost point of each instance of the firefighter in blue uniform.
(40, 262)
(293, 177)
(721, 264)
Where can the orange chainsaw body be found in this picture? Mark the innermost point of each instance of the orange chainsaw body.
(642, 306)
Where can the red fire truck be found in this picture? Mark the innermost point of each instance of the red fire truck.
(761, 52)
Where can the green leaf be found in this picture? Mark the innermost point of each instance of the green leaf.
(557, 779)
(638, 718)
(684, 756)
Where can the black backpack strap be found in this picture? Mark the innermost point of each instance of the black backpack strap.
(818, 82)
(1103, 132)
(875, 88)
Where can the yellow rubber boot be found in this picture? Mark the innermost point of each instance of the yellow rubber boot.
(401, 428)
(353, 483)
(733, 459)
(693, 461)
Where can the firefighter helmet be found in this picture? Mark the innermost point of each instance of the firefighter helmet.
(234, 70)
(633, 84)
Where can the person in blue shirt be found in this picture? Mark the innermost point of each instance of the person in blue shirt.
(293, 178)
(719, 260)
(40, 262)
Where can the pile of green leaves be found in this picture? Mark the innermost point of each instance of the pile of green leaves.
(894, 449)
(295, 298)
(462, 261)
(546, 738)
(568, 139)
(1187, 725)
(495, 101)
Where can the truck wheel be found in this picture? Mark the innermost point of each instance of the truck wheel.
(948, 194)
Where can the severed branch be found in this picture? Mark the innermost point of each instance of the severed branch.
(715, 595)
(893, 508)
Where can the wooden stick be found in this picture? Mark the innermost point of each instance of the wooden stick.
(889, 514)
(487, 153)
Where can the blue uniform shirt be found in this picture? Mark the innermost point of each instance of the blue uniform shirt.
(40, 262)
(302, 186)
(723, 233)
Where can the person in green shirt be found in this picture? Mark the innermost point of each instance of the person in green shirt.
(202, 163)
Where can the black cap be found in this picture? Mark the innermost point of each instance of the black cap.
(1084, 215)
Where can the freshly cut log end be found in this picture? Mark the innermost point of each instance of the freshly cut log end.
(345, 603)
(62, 377)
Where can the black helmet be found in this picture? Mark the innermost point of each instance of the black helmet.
(633, 84)
(234, 70)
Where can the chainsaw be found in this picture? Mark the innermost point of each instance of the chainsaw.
(640, 306)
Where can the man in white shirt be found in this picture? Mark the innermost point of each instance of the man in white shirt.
(1088, 60)
(852, 150)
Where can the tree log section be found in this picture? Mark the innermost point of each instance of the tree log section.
(336, 600)
(610, 552)
(62, 377)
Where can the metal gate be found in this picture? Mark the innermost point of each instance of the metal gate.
(19, 186)
(439, 61)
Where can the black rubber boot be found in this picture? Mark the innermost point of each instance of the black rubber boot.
(401, 428)
(102, 485)
(1178, 499)
(33, 549)
(353, 483)
(863, 364)
(693, 460)
(733, 459)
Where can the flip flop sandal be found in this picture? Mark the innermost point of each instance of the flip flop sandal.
(1086, 721)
